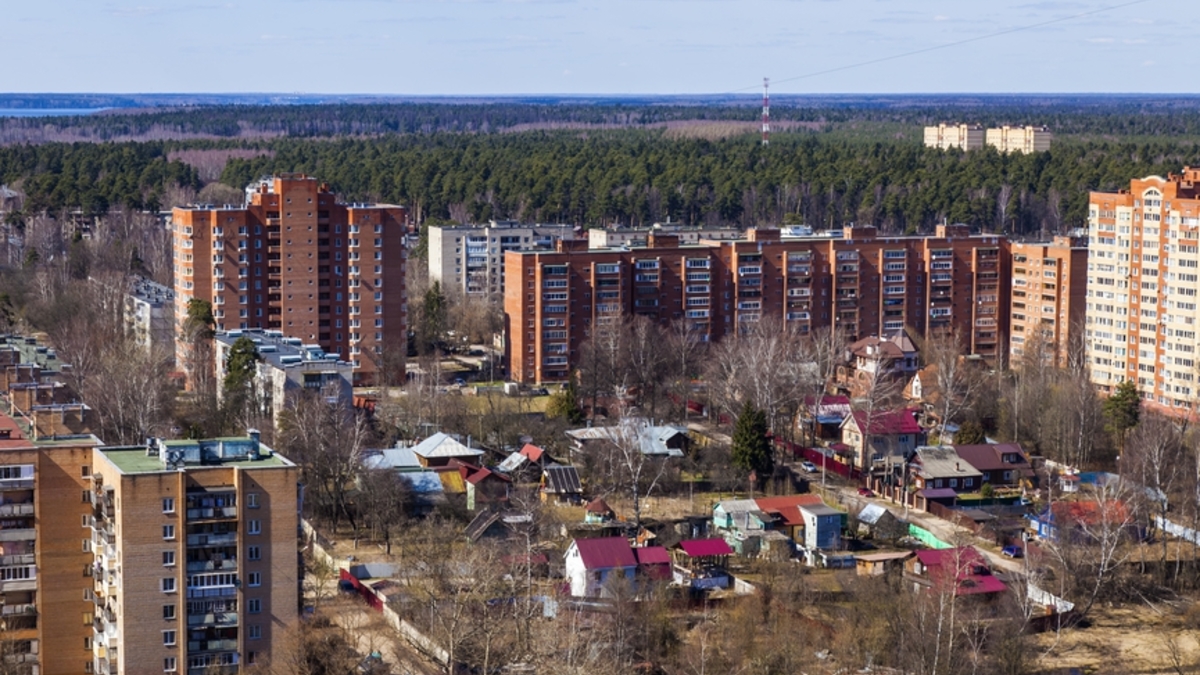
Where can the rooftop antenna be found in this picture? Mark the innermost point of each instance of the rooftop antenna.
(766, 120)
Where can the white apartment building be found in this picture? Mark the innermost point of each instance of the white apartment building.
(1142, 287)
(601, 237)
(1019, 139)
(469, 259)
(946, 136)
(150, 314)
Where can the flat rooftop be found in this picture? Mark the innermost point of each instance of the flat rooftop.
(134, 459)
(281, 351)
(151, 291)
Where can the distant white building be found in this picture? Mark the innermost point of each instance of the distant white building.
(469, 259)
(635, 237)
(150, 315)
(946, 136)
(1019, 139)
(288, 367)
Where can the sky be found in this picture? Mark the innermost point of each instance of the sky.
(493, 47)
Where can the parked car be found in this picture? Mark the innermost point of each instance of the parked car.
(865, 492)
(1012, 551)
(808, 466)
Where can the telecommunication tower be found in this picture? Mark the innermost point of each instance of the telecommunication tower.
(766, 121)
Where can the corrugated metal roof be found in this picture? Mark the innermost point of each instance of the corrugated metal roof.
(698, 548)
(443, 445)
(605, 553)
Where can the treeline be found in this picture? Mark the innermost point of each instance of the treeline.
(640, 177)
(1066, 116)
(93, 177)
(627, 176)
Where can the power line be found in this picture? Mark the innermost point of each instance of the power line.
(924, 50)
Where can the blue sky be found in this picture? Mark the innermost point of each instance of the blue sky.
(480, 47)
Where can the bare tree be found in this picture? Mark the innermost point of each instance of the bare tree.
(957, 381)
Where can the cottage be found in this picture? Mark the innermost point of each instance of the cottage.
(1084, 519)
(666, 441)
(873, 358)
(593, 565)
(654, 562)
(822, 417)
(526, 463)
(962, 570)
(940, 467)
(879, 564)
(439, 449)
(880, 523)
(876, 437)
(1000, 464)
(561, 485)
(484, 486)
(598, 512)
(822, 527)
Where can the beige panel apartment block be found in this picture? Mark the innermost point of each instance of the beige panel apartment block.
(1019, 139)
(203, 575)
(1049, 295)
(946, 136)
(1142, 286)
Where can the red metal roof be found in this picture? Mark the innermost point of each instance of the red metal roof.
(652, 555)
(699, 548)
(887, 422)
(605, 553)
(788, 508)
(971, 573)
(532, 452)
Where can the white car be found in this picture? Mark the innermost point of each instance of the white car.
(808, 466)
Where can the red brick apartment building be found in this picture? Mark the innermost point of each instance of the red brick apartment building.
(296, 260)
(864, 283)
(1142, 286)
(1049, 296)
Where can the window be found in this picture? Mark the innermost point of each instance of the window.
(88, 618)
(85, 471)
(87, 545)
(253, 553)
(169, 612)
(169, 664)
(168, 531)
(254, 527)
(167, 585)
(252, 500)
(87, 496)
(255, 579)
(168, 558)
(168, 638)
(87, 667)
(254, 606)
(168, 504)
(87, 643)
(254, 632)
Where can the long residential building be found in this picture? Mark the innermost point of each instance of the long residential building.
(1142, 287)
(1049, 297)
(295, 259)
(469, 259)
(861, 283)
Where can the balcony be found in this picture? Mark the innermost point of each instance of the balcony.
(16, 484)
(225, 512)
(18, 559)
(211, 645)
(225, 565)
(223, 539)
(23, 509)
(18, 534)
(223, 619)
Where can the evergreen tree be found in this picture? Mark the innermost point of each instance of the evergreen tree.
(237, 388)
(751, 450)
(565, 404)
(970, 433)
(1123, 410)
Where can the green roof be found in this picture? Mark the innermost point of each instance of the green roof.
(135, 460)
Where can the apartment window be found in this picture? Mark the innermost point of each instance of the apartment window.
(167, 584)
(169, 665)
(254, 527)
(254, 632)
(85, 471)
(252, 500)
(168, 504)
(87, 521)
(255, 579)
(87, 496)
(168, 638)
(87, 667)
(168, 558)
(88, 618)
(253, 553)
(87, 545)
(168, 531)
(88, 595)
(169, 612)
(254, 606)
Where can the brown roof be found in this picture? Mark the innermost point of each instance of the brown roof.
(598, 505)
